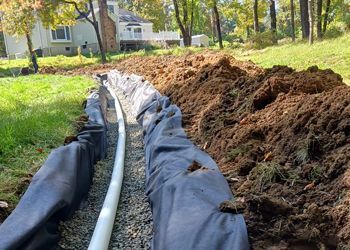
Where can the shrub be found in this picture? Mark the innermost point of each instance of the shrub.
(333, 32)
(260, 40)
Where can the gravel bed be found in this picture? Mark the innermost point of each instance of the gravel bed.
(133, 224)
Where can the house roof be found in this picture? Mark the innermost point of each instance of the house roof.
(127, 16)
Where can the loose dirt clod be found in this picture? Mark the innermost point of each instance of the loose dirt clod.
(69, 139)
(194, 166)
(234, 207)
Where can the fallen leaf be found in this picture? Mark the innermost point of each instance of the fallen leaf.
(40, 150)
(268, 156)
(309, 186)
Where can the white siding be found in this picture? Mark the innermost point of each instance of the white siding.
(80, 33)
(19, 45)
(84, 34)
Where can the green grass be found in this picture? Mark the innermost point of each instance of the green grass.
(36, 113)
(330, 53)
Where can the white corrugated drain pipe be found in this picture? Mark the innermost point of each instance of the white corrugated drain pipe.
(104, 226)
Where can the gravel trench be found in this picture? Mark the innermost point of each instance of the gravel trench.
(133, 224)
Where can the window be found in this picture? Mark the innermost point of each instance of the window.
(110, 8)
(61, 34)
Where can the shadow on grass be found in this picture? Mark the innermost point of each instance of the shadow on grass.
(27, 135)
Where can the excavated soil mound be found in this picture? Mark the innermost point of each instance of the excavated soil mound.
(281, 137)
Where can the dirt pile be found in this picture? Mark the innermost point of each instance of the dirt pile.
(281, 137)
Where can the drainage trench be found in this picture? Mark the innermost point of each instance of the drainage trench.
(133, 223)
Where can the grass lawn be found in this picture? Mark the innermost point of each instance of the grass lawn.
(36, 113)
(330, 53)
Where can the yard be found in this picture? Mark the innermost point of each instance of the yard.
(36, 113)
(329, 53)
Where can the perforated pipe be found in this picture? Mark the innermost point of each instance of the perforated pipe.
(104, 226)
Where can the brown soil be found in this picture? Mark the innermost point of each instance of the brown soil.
(280, 137)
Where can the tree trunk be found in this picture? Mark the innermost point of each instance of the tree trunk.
(217, 21)
(292, 19)
(192, 21)
(98, 35)
(325, 21)
(256, 18)
(29, 44)
(248, 31)
(319, 18)
(304, 18)
(32, 57)
(213, 26)
(311, 20)
(273, 20)
(183, 26)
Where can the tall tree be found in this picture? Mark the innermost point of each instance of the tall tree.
(326, 14)
(319, 18)
(256, 17)
(185, 24)
(213, 26)
(311, 20)
(80, 7)
(292, 14)
(273, 20)
(217, 22)
(18, 19)
(304, 18)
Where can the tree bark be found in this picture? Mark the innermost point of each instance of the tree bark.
(304, 16)
(213, 26)
(192, 20)
(32, 56)
(183, 25)
(319, 18)
(325, 20)
(292, 19)
(273, 20)
(102, 4)
(29, 44)
(311, 20)
(98, 35)
(256, 18)
(217, 21)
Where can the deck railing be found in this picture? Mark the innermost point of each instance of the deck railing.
(159, 36)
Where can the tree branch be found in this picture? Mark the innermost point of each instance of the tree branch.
(79, 11)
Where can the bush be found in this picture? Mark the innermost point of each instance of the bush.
(232, 38)
(333, 32)
(260, 40)
(234, 45)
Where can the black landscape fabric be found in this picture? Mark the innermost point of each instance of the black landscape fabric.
(183, 183)
(59, 187)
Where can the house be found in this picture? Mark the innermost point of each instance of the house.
(136, 31)
(118, 27)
